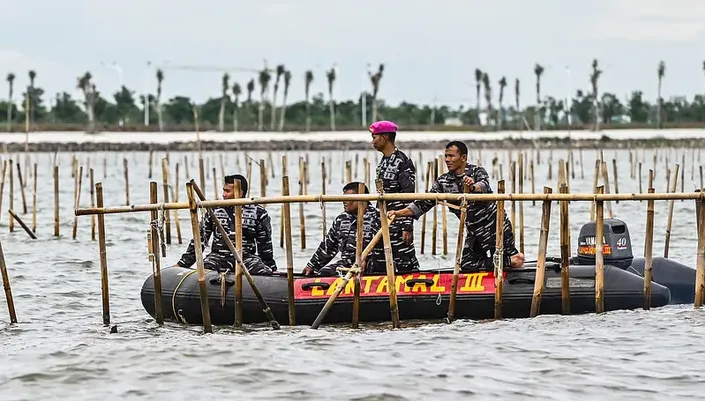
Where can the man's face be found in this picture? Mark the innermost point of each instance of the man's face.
(350, 206)
(454, 160)
(228, 191)
(379, 141)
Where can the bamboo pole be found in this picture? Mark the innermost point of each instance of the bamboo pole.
(238, 259)
(11, 223)
(281, 226)
(165, 197)
(531, 175)
(700, 264)
(127, 181)
(391, 281)
(499, 251)
(540, 280)
(56, 201)
(302, 219)
(648, 248)
(2, 184)
(34, 198)
(205, 311)
(513, 216)
(358, 256)
(323, 191)
(77, 201)
(104, 289)
(156, 256)
(151, 162)
(289, 252)
(434, 232)
(262, 178)
(201, 173)
(616, 179)
(521, 203)
(458, 258)
(22, 187)
(674, 185)
(423, 218)
(599, 258)
(22, 224)
(565, 251)
(7, 287)
(239, 267)
(92, 190)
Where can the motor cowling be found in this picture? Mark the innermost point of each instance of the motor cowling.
(616, 244)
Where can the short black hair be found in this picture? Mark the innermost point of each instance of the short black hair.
(230, 179)
(462, 147)
(392, 136)
(352, 186)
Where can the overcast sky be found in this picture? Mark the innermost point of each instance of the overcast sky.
(429, 48)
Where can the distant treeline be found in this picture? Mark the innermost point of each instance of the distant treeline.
(238, 109)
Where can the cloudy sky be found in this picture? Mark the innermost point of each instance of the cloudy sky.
(430, 48)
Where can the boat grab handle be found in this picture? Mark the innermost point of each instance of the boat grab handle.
(310, 286)
(413, 281)
(521, 280)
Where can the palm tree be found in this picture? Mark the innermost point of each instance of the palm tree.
(538, 70)
(594, 77)
(280, 72)
(500, 111)
(308, 79)
(223, 102)
(287, 83)
(478, 81)
(375, 80)
(264, 78)
(661, 74)
(250, 90)
(237, 91)
(160, 119)
(488, 96)
(10, 106)
(30, 93)
(518, 110)
(84, 84)
(331, 105)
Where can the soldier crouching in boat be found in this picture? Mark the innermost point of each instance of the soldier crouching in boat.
(481, 221)
(257, 249)
(342, 237)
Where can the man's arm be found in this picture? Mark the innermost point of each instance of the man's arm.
(264, 239)
(407, 182)
(206, 230)
(419, 207)
(481, 179)
(327, 249)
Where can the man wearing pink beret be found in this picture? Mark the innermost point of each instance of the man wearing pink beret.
(398, 174)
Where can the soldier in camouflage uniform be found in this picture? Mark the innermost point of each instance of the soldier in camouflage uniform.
(342, 237)
(257, 249)
(398, 174)
(481, 219)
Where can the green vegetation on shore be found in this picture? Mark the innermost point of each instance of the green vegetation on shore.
(250, 108)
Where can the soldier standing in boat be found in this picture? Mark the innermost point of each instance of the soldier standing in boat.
(342, 238)
(257, 249)
(480, 240)
(398, 174)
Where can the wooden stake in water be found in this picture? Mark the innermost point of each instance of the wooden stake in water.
(423, 218)
(599, 258)
(77, 201)
(165, 198)
(565, 252)
(358, 256)
(193, 208)
(499, 255)
(458, 258)
(648, 248)
(302, 220)
(8, 288)
(616, 178)
(127, 181)
(289, 252)
(34, 198)
(238, 266)
(156, 263)
(540, 282)
(323, 192)
(2, 184)
(394, 309)
(92, 187)
(674, 185)
(521, 203)
(700, 265)
(22, 186)
(105, 293)
(56, 200)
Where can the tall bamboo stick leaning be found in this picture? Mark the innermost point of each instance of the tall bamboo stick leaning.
(393, 306)
(8, 288)
(77, 201)
(11, 223)
(105, 293)
(670, 214)
(238, 259)
(355, 270)
(649, 246)
(289, 252)
(22, 186)
(34, 199)
(2, 184)
(599, 257)
(203, 292)
(458, 257)
(499, 255)
(540, 282)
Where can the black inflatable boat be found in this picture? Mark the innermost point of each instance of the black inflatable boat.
(426, 295)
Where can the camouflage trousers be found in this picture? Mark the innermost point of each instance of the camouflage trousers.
(479, 247)
(253, 264)
(403, 256)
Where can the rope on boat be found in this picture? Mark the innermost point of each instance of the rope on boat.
(178, 315)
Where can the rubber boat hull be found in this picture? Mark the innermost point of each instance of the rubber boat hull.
(422, 296)
(677, 277)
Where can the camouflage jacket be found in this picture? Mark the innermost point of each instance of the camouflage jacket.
(477, 211)
(398, 175)
(256, 237)
(342, 237)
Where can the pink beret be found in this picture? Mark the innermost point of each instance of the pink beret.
(382, 127)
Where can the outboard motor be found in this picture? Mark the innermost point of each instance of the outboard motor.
(616, 244)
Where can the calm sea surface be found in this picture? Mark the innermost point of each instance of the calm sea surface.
(61, 350)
